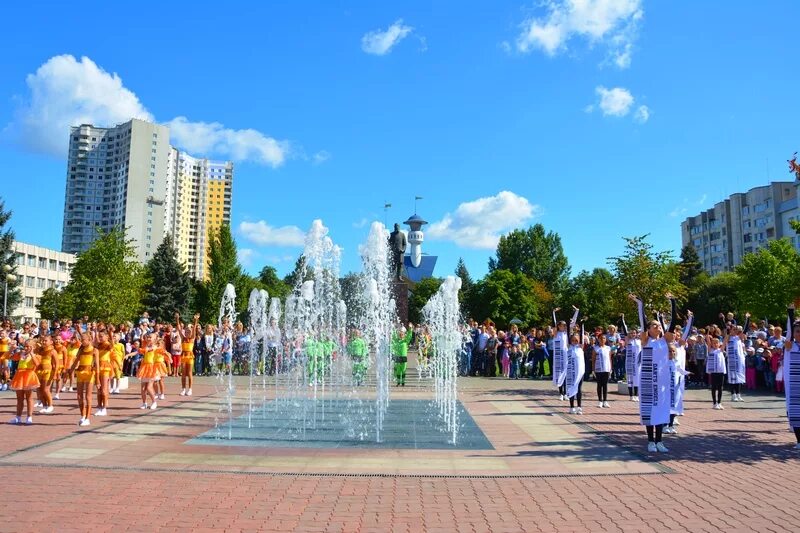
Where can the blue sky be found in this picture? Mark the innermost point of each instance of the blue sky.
(613, 119)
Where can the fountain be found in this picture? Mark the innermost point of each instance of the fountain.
(310, 391)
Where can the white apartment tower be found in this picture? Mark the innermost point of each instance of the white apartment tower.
(116, 177)
(198, 202)
(129, 176)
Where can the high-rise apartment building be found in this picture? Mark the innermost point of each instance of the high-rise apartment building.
(198, 202)
(129, 176)
(742, 224)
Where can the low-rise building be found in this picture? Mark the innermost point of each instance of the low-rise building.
(38, 269)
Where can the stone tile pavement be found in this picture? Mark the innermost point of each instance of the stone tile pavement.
(731, 470)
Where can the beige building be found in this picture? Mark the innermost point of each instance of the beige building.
(198, 202)
(38, 269)
(741, 224)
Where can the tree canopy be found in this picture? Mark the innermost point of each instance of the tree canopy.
(170, 290)
(769, 279)
(8, 258)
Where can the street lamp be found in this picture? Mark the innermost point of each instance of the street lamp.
(8, 277)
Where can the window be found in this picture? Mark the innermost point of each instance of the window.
(29, 281)
(51, 284)
(62, 266)
(31, 260)
(745, 210)
(42, 262)
(41, 283)
(20, 259)
(746, 224)
(28, 301)
(52, 264)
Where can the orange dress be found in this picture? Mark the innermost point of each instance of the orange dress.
(187, 352)
(25, 377)
(106, 368)
(85, 370)
(160, 365)
(44, 370)
(72, 354)
(148, 371)
(5, 349)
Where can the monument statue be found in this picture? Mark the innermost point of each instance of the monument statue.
(397, 242)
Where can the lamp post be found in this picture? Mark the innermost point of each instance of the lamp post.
(8, 277)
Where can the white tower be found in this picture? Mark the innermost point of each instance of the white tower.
(415, 238)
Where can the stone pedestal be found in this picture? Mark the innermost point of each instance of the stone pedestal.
(622, 388)
(123, 383)
(400, 295)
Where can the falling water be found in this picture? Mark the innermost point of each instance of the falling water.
(443, 316)
(257, 311)
(227, 313)
(379, 313)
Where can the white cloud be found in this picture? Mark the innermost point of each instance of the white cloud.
(613, 23)
(66, 92)
(239, 145)
(263, 234)
(361, 223)
(642, 114)
(246, 256)
(614, 102)
(380, 43)
(678, 211)
(479, 223)
(702, 199)
(320, 157)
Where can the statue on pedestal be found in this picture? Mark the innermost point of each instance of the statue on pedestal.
(397, 243)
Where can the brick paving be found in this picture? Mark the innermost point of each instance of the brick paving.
(732, 470)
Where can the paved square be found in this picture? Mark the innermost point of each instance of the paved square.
(544, 470)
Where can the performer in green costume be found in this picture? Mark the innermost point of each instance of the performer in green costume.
(400, 341)
(357, 349)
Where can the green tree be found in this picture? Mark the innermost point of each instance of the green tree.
(593, 293)
(8, 258)
(107, 283)
(795, 224)
(504, 295)
(223, 268)
(467, 286)
(535, 253)
(244, 285)
(275, 286)
(420, 295)
(648, 274)
(769, 279)
(352, 287)
(714, 295)
(297, 273)
(170, 289)
(691, 268)
(56, 304)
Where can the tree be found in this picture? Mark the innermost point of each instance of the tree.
(648, 274)
(592, 292)
(769, 279)
(504, 295)
(275, 286)
(467, 286)
(170, 290)
(352, 287)
(107, 283)
(795, 224)
(690, 266)
(223, 268)
(8, 258)
(535, 253)
(420, 295)
(56, 304)
(712, 296)
(297, 273)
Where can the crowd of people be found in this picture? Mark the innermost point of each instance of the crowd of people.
(670, 357)
(655, 361)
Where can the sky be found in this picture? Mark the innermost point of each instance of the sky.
(597, 118)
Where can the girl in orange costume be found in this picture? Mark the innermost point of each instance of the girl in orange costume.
(25, 380)
(73, 347)
(46, 370)
(163, 365)
(187, 336)
(107, 366)
(87, 369)
(6, 345)
(118, 356)
(148, 370)
(61, 350)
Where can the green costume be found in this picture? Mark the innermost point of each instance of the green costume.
(314, 360)
(400, 353)
(357, 349)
